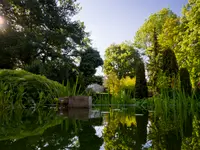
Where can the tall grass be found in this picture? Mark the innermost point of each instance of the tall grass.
(173, 111)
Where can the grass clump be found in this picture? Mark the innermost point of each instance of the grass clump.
(21, 88)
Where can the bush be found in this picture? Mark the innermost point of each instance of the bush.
(116, 86)
(30, 89)
(128, 85)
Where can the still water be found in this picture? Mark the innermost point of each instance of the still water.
(96, 129)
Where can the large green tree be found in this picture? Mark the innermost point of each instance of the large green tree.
(121, 59)
(43, 29)
(90, 59)
(190, 43)
(148, 39)
(41, 37)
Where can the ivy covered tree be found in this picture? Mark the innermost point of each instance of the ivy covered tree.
(141, 90)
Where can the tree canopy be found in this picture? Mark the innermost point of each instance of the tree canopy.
(165, 30)
(121, 59)
(43, 34)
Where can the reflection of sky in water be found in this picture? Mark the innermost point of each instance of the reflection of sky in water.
(75, 140)
(99, 133)
(148, 126)
(99, 130)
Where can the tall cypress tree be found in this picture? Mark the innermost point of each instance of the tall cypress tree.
(185, 81)
(169, 66)
(141, 90)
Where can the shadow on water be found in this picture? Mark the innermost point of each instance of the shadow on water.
(84, 129)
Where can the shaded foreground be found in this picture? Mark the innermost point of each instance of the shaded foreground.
(105, 128)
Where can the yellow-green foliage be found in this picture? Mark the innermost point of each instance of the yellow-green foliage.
(115, 85)
(128, 83)
(112, 83)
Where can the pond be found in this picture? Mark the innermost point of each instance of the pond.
(96, 129)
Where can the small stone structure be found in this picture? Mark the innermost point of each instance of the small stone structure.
(96, 88)
(76, 102)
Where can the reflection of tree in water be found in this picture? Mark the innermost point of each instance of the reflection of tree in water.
(64, 133)
(169, 133)
(53, 138)
(141, 130)
(87, 138)
(125, 132)
(193, 142)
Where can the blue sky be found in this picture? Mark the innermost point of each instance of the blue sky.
(114, 21)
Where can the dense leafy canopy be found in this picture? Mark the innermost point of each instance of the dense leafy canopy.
(164, 30)
(41, 36)
(121, 59)
(148, 40)
(44, 29)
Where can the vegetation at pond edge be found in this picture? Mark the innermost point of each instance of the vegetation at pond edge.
(147, 98)
(46, 54)
(22, 89)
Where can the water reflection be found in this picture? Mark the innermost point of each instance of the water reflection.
(92, 130)
(126, 131)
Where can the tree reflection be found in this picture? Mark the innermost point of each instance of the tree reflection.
(51, 132)
(169, 133)
(87, 138)
(125, 131)
(142, 122)
(193, 142)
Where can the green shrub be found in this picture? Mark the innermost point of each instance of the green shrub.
(117, 86)
(28, 88)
